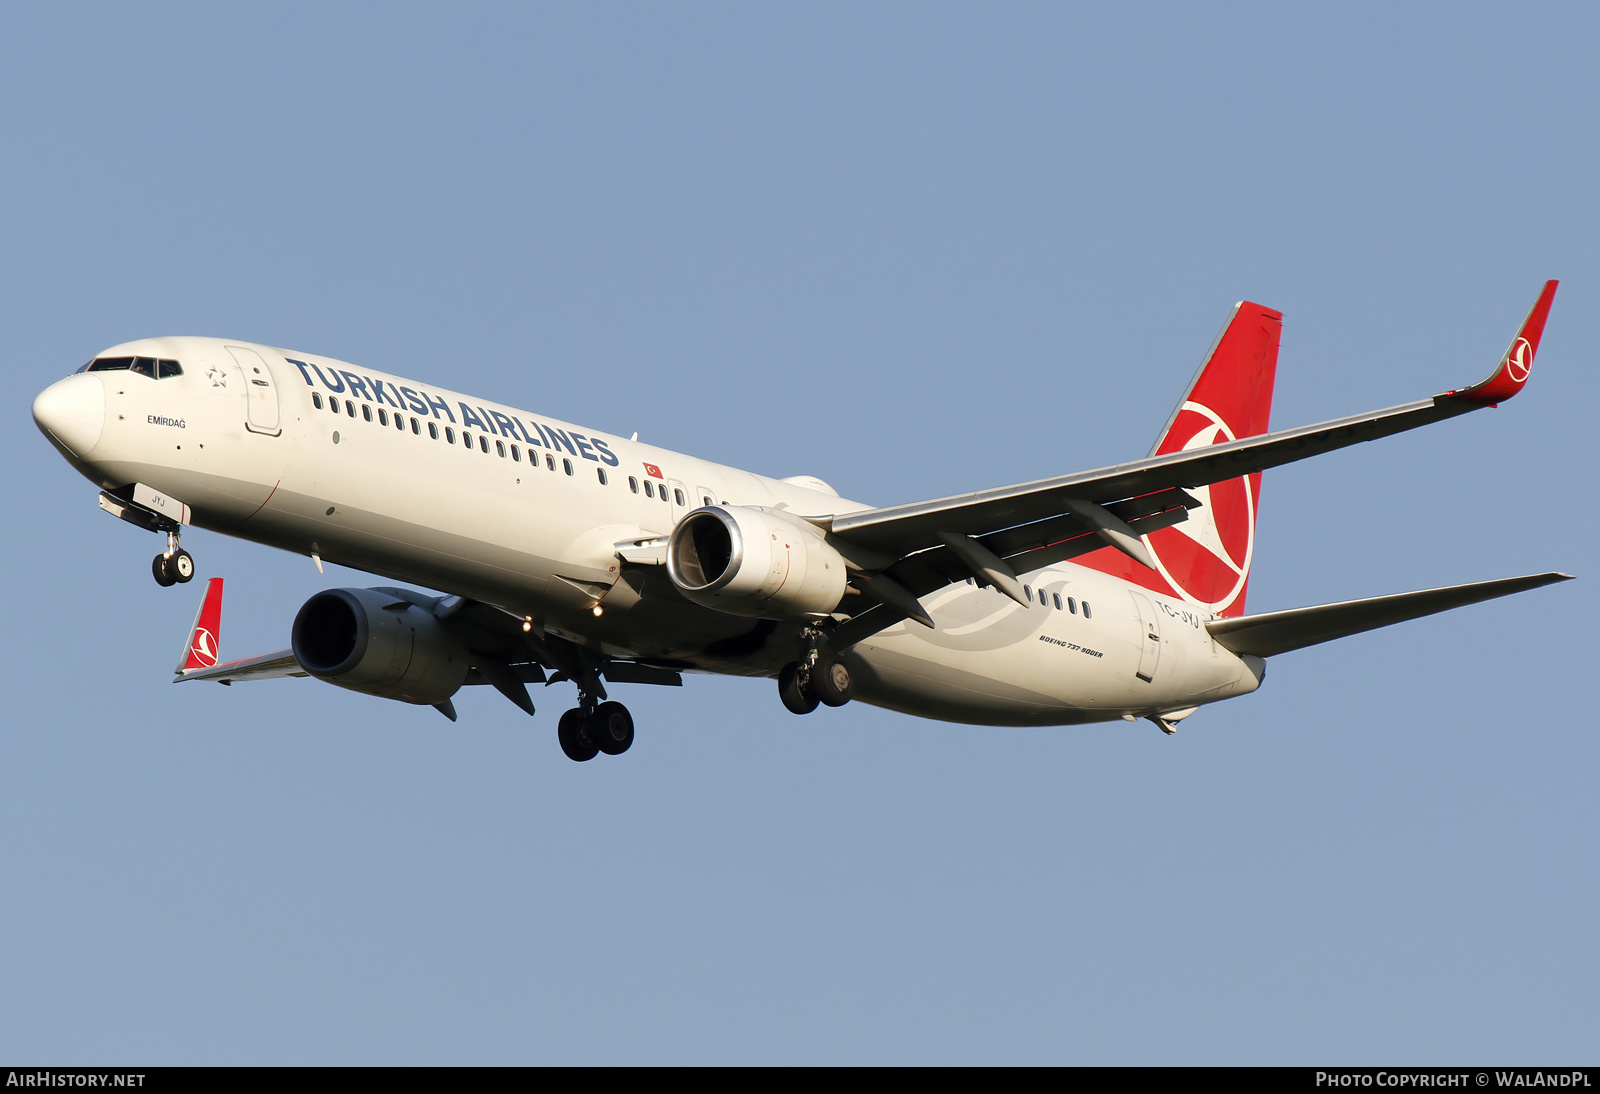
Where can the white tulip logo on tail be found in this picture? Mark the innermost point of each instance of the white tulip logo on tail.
(1202, 531)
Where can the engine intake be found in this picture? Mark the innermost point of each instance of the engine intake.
(371, 642)
(755, 562)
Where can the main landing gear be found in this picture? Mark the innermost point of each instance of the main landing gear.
(819, 678)
(589, 729)
(174, 565)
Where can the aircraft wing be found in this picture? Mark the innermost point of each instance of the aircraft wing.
(902, 529)
(268, 666)
(1280, 632)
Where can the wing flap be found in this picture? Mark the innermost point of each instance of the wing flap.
(1280, 632)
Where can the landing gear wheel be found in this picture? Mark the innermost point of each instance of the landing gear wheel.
(831, 681)
(794, 691)
(610, 727)
(161, 567)
(574, 742)
(181, 566)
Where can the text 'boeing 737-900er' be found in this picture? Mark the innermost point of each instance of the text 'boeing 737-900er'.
(568, 554)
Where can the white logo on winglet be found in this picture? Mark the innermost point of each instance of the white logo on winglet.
(204, 647)
(1519, 361)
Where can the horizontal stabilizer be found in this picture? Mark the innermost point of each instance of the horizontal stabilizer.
(1279, 632)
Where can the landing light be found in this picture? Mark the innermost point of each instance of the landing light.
(598, 611)
(527, 624)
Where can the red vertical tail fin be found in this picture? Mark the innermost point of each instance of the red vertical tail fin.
(1206, 559)
(205, 637)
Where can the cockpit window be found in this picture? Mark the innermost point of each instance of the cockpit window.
(144, 366)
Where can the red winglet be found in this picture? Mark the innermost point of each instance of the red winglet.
(205, 636)
(1517, 362)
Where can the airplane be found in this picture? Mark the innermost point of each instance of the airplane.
(562, 553)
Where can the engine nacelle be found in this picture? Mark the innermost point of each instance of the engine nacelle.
(755, 562)
(377, 644)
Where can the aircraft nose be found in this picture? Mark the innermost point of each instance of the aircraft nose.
(73, 412)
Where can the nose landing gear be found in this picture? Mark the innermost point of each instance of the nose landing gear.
(174, 565)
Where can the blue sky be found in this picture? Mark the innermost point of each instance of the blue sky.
(912, 249)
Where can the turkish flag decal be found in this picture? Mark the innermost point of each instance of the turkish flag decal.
(652, 470)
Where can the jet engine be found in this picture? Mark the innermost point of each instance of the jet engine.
(372, 642)
(755, 562)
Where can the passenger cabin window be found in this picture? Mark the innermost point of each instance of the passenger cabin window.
(568, 465)
(549, 461)
(500, 447)
(383, 416)
(1027, 592)
(350, 408)
(676, 493)
(516, 454)
(483, 443)
(1087, 614)
(400, 423)
(333, 404)
(433, 430)
(316, 400)
(1057, 598)
(366, 411)
(706, 499)
(1072, 605)
(449, 435)
(633, 484)
(649, 491)
(1044, 601)
(602, 473)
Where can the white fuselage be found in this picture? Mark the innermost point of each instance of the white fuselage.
(529, 517)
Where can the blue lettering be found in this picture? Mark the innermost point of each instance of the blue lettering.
(437, 405)
(415, 400)
(378, 395)
(583, 446)
(301, 365)
(506, 427)
(324, 380)
(556, 435)
(488, 421)
(469, 418)
(524, 431)
(357, 385)
(606, 455)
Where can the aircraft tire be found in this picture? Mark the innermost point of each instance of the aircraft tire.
(795, 693)
(610, 727)
(574, 742)
(831, 682)
(182, 566)
(163, 572)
